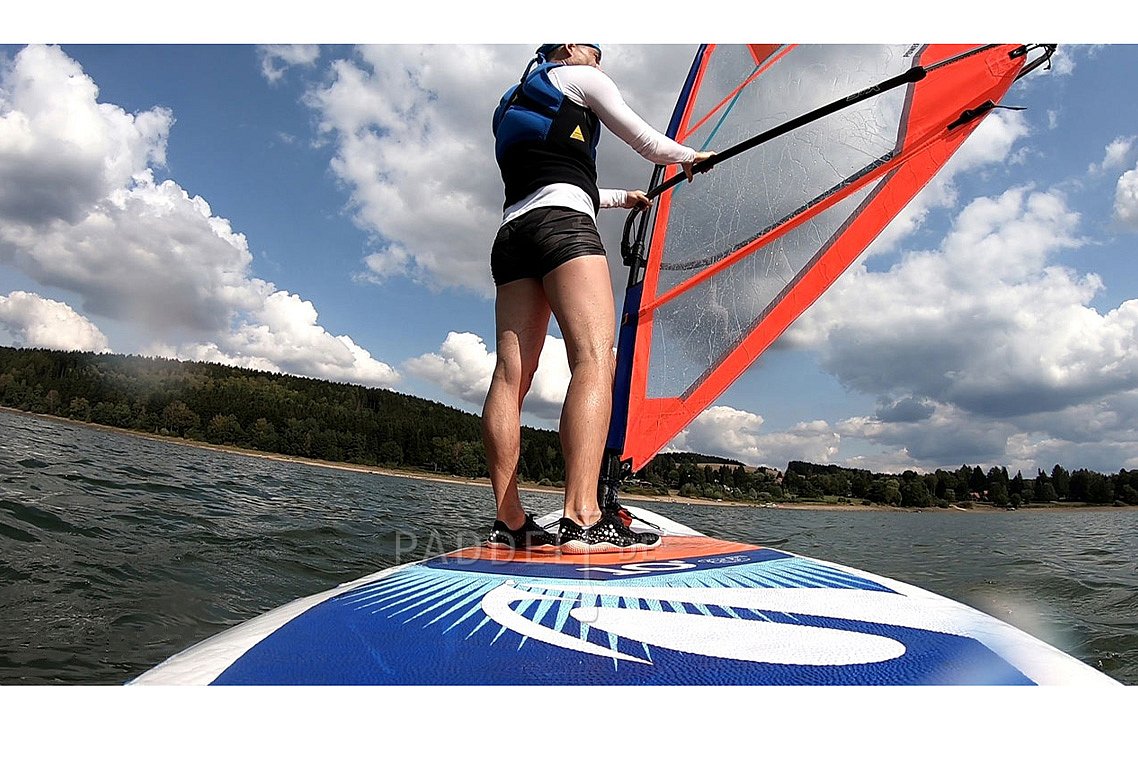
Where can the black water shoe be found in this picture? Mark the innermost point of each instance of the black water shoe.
(609, 534)
(530, 534)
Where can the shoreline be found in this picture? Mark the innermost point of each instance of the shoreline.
(534, 488)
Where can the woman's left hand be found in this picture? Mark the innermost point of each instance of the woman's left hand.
(636, 199)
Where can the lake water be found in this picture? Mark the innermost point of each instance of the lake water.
(118, 551)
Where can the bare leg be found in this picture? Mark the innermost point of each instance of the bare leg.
(522, 316)
(580, 295)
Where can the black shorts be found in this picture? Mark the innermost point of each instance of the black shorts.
(539, 241)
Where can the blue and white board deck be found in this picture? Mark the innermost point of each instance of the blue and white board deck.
(697, 611)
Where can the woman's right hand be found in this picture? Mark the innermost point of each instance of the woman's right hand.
(700, 155)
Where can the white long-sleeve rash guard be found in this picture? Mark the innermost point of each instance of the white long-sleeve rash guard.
(590, 87)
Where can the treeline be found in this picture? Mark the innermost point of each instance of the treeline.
(260, 410)
(965, 484)
(830, 482)
(803, 481)
(341, 422)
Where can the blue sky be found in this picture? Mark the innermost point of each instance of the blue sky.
(328, 210)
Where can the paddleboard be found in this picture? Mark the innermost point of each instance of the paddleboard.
(695, 611)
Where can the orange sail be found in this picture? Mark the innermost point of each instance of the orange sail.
(734, 257)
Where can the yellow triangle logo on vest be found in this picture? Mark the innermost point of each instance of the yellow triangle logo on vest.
(577, 134)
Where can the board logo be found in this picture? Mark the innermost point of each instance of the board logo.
(639, 568)
(621, 612)
(734, 559)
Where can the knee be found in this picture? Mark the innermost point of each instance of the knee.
(516, 376)
(507, 372)
(599, 358)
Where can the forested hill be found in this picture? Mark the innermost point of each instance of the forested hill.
(260, 410)
(341, 422)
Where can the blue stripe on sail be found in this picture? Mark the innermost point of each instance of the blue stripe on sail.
(726, 113)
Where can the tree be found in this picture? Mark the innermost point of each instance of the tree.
(998, 493)
(1043, 490)
(470, 459)
(1045, 493)
(915, 494)
(79, 409)
(391, 453)
(178, 418)
(224, 428)
(115, 414)
(885, 491)
(1017, 487)
(1061, 479)
(1099, 489)
(998, 475)
(977, 482)
(263, 435)
(1126, 486)
(309, 417)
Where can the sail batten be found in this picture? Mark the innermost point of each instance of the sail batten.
(736, 256)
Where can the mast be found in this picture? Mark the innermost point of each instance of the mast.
(613, 469)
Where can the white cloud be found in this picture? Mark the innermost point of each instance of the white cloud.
(1118, 154)
(987, 338)
(547, 394)
(60, 150)
(982, 345)
(282, 335)
(990, 145)
(32, 320)
(1097, 434)
(1062, 62)
(737, 434)
(987, 311)
(411, 125)
(412, 129)
(80, 211)
(210, 352)
(463, 367)
(276, 59)
(940, 438)
(1126, 199)
(145, 253)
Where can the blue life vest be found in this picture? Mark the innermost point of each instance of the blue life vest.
(543, 137)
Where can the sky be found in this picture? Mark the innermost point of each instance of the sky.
(327, 211)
